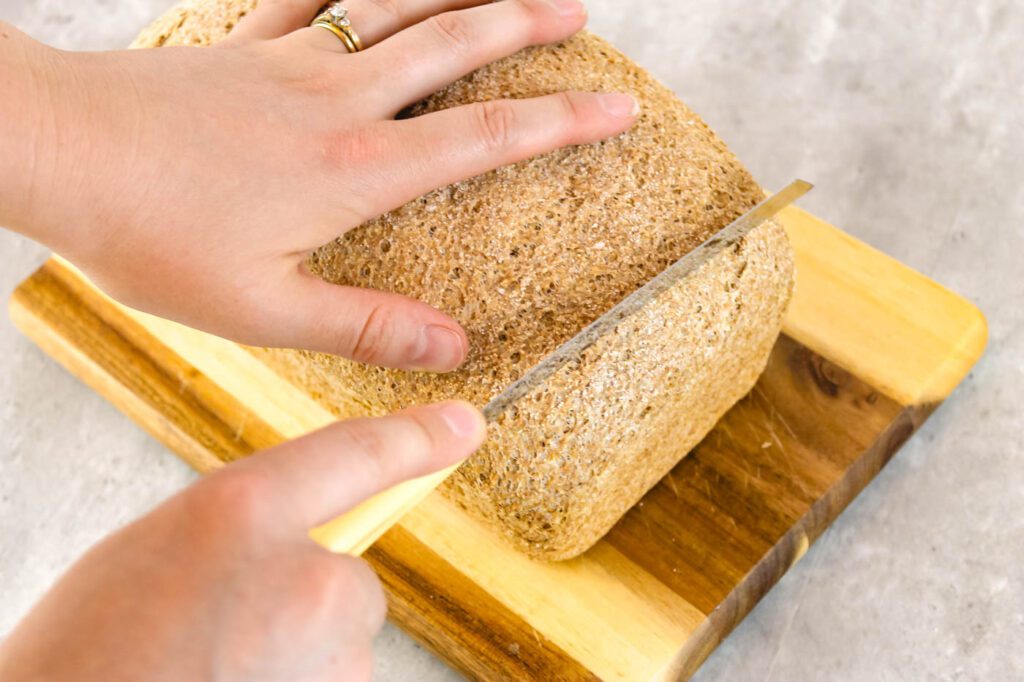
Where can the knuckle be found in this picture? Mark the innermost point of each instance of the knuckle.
(315, 592)
(569, 107)
(314, 84)
(340, 587)
(241, 497)
(390, 7)
(370, 344)
(536, 13)
(325, 581)
(454, 30)
(368, 445)
(535, 18)
(496, 121)
(347, 149)
(288, 8)
(377, 605)
(422, 438)
(365, 582)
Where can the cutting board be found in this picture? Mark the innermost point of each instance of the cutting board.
(869, 349)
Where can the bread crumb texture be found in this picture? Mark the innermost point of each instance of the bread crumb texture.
(527, 255)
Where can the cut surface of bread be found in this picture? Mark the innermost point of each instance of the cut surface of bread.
(525, 257)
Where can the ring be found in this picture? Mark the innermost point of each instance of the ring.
(335, 19)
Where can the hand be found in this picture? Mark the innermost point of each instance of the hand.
(193, 182)
(222, 582)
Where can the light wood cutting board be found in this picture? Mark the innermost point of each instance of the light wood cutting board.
(870, 349)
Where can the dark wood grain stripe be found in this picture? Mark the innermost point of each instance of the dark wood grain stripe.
(756, 476)
(753, 586)
(130, 356)
(447, 612)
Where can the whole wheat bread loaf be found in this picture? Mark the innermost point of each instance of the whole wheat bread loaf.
(526, 256)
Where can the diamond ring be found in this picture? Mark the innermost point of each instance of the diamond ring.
(335, 19)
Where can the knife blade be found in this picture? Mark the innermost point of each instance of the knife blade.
(573, 349)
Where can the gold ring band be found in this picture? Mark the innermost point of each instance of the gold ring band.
(342, 36)
(335, 19)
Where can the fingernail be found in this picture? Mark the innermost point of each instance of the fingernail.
(462, 419)
(439, 349)
(568, 8)
(620, 105)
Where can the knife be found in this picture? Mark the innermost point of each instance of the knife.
(360, 527)
(573, 349)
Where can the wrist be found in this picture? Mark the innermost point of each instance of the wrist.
(57, 121)
(27, 113)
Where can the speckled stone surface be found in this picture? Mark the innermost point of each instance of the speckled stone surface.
(907, 116)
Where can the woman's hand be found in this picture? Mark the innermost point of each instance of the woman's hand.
(222, 581)
(193, 182)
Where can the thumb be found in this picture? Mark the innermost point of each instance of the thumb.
(330, 471)
(366, 325)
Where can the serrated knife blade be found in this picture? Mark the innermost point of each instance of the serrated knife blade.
(573, 349)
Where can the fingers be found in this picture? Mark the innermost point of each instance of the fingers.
(375, 20)
(428, 56)
(275, 18)
(326, 473)
(448, 146)
(365, 325)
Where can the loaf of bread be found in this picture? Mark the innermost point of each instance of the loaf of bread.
(526, 256)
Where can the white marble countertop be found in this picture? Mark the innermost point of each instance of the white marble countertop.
(907, 116)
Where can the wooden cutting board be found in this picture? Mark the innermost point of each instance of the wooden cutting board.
(870, 348)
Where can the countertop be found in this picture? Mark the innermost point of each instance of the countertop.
(907, 116)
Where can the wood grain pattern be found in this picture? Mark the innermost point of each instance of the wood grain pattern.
(901, 332)
(685, 565)
(450, 613)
